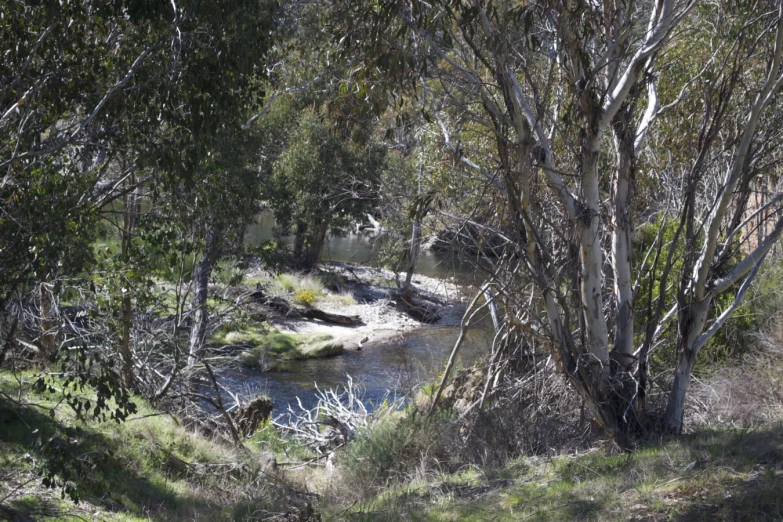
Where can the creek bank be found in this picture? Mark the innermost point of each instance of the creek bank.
(359, 305)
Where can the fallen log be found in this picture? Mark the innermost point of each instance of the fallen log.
(420, 310)
(315, 313)
(284, 307)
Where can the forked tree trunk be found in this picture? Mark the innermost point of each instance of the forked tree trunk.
(199, 310)
(308, 254)
(675, 409)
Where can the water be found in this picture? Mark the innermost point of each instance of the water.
(360, 249)
(393, 367)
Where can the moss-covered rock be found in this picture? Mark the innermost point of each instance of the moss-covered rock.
(267, 349)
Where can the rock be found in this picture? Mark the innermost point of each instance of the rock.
(250, 415)
(464, 390)
(267, 461)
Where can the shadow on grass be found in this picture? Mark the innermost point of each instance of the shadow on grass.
(751, 487)
(88, 459)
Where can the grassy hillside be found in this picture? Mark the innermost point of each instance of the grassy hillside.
(403, 467)
(714, 474)
(147, 468)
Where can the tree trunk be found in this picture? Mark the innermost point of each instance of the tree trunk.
(132, 208)
(199, 311)
(310, 251)
(621, 237)
(591, 261)
(413, 260)
(48, 314)
(300, 232)
(413, 255)
(695, 317)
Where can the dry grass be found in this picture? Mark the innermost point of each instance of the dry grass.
(747, 393)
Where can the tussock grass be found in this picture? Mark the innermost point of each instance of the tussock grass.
(150, 467)
(713, 474)
(265, 346)
(292, 284)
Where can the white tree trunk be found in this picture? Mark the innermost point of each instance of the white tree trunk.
(621, 246)
(591, 257)
(199, 310)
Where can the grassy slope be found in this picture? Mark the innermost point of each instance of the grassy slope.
(148, 468)
(151, 468)
(722, 474)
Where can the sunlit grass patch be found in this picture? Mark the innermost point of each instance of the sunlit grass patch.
(718, 474)
(265, 346)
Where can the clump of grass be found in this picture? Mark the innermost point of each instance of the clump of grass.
(307, 285)
(344, 298)
(319, 346)
(390, 450)
(284, 284)
(305, 297)
(267, 347)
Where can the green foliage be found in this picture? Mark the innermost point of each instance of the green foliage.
(123, 468)
(229, 272)
(305, 297)
(390, 449)
(322, 181)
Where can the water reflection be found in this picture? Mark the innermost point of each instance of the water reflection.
(360, 249)
(395, 367)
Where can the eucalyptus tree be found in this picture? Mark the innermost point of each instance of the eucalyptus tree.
(324, 180)
(554, 105)
(97, 99)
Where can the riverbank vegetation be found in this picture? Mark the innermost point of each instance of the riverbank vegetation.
(602, 179)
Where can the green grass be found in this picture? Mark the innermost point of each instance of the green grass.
(150, 467)
(265, 346)
(716, 474)
(297, 284)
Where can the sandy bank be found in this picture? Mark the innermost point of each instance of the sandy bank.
(373, 291)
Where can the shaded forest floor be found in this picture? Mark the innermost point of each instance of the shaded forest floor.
(153, 468)
(712, 474)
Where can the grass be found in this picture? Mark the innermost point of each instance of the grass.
(714, 474)
(147, 468)
(266, 346)
(292, 284)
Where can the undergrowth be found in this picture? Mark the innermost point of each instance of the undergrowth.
(150, 467)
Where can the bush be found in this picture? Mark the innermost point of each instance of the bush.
(229, 273)
(305, 297)
(391, 449)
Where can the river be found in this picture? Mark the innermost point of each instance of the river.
(394, 367)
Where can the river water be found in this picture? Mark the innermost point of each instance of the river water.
(361, 249)
(394, 367)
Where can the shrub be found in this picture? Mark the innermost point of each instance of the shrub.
(392, 448)
(228, 273)
(305, 297)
